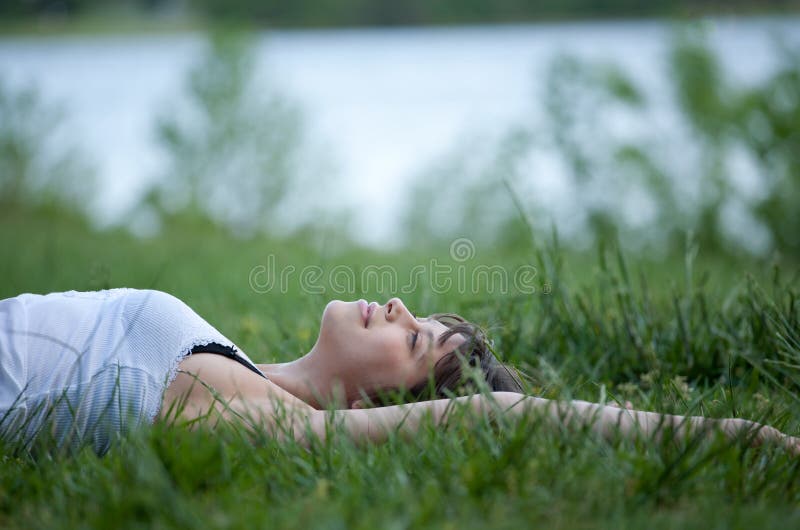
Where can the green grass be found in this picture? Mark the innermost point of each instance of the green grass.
(708, 335)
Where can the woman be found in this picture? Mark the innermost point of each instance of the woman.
(83, 367)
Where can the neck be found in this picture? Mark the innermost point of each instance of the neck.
(307, 379)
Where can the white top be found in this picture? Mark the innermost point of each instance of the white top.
(88, 365)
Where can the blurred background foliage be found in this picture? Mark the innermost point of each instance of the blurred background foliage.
(233, 154)
(612, 177)
(236, 157)
(36, 168)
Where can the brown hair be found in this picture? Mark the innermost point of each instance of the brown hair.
(452, 374)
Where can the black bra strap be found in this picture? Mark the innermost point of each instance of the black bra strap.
(227, 351)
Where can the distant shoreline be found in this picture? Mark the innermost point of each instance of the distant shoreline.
(144, 23)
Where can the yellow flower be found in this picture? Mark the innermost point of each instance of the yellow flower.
(249, 325)
(303, 334)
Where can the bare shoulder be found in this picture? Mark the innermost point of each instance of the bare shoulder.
(208, 383)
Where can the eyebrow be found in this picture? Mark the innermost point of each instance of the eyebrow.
(428, 333)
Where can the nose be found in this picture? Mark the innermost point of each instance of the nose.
(395, 309)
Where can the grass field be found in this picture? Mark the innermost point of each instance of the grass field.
(695, 334)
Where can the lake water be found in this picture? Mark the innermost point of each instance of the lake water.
(384, 103)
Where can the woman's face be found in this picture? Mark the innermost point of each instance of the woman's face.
(373, 347)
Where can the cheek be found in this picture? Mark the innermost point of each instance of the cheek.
(378, 357)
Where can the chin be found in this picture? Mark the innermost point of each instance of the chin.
(337, 309)
(337, 330)
(338, 316)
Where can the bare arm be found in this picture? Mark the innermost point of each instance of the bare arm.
(212, 383)
(361, 425)
(610, 421)
(377, 424)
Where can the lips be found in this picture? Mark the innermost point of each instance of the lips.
(370, 310)
(366, 310)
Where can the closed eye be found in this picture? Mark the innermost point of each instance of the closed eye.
(415, 338)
